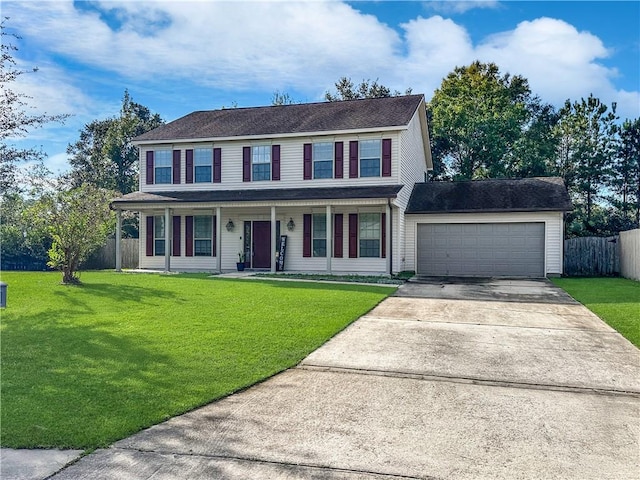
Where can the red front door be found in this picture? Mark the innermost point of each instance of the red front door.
(261, 245)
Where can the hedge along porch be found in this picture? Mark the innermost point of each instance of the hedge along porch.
(349, 233)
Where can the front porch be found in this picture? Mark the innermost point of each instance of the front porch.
(297, 236)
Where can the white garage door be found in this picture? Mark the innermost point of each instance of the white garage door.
(481, 249)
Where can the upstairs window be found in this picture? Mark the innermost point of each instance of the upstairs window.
(261, 162)
(370, 155)
(323, 160)
(203, 161)
(163, 164)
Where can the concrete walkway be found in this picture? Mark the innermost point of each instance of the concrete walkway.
(484, 380)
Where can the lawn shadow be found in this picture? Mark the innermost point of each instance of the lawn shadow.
(80, 296)
(75, 385)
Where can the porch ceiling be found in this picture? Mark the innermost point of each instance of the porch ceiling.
(270, 195)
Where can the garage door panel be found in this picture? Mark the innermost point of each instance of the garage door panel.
(481, 249)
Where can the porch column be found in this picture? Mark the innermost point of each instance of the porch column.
(118, 240)
(388, 242)
(273, 240)
(329, 240)
(167, 239)
(218, 239)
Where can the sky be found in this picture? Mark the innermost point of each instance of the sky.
(175, 57)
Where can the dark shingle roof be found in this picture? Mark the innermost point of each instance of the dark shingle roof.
(503, 195)
(288, 119)
(271, 195)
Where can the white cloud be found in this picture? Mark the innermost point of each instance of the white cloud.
(557, 59)
(434, 47)
(459, 6)
(300, 46)
(222, 44)
(52, 92)
(628, 103)
(58, 163)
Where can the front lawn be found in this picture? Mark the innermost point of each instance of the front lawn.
(84, 366)
(615, 300)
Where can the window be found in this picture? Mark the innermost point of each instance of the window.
(203, 161)
(323, 160)
(261, 162)
(319, 235)
(163, 163)
(158, 236)
(369, 234)
(202, 235)
(370, 158)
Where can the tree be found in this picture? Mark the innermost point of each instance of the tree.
(587, 145)
(15, 122)
(24, 242)
(626, 172)
(104, 155)
(281, 98)
(533, 154)
(367, 89)
(483, 121)
(79, 221)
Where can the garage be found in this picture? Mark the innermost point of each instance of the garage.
(487, 228)
(481, 249)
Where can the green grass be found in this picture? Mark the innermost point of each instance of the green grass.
(615, 300)
(84, 366)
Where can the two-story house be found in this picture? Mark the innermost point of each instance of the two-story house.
(331, 187)
(335, 178)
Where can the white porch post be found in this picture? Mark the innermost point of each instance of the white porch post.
(218, 239)
(273, 239)
(118, 240)
(387, 227)
(329, 238)
(167, 240)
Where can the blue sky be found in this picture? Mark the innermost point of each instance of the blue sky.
(176, 57)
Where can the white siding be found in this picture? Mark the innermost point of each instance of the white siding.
(232, 242)
(554, 232)
(408, 166)
(291, 164)
(413, 167)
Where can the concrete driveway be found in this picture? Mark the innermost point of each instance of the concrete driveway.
(493, 379)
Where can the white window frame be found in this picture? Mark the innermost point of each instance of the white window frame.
(368, 234)
(367, 157)
(321, 236)
(159, 235)
(163, 161)
(202, 157)
(208, 238)
(260, 155)
(317, 159)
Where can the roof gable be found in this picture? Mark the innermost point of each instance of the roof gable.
(495, 195)
(289, 119)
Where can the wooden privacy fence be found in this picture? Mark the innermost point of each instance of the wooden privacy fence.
(591, 256)
(105, 257)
